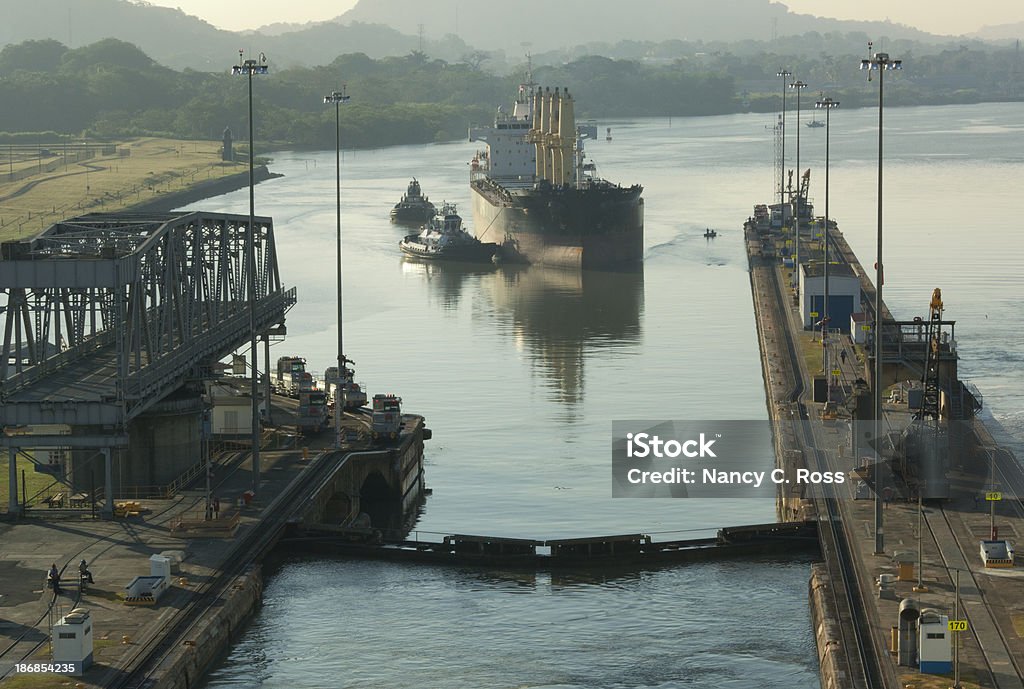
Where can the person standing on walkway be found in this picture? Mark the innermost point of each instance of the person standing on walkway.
(53, 578)
(216, 508)
(84, 573)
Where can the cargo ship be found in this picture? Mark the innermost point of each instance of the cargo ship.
(534, 194)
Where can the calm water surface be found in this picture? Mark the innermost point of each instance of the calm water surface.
(520, 374)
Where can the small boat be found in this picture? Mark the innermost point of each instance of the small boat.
(710, 234)
(815, 123)
(414, 206)
(444, 239)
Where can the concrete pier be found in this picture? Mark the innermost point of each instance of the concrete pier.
(218, 583)
(853, 620)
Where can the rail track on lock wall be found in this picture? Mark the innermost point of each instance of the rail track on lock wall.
(139, 670)
(862, 655)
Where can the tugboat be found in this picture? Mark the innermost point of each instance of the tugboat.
(444, 239)
(414, 207)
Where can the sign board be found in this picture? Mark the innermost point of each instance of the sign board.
(993, 496)
(957, 625)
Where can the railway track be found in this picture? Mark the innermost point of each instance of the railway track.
(979, 617)
(860, 651)
(995, 647)
(27, 643)
(138, 670)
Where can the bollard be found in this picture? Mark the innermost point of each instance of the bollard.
(305, 453)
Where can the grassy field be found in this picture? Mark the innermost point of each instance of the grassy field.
(46, 190)
(810, 347)
(34, 481)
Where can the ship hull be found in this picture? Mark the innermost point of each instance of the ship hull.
(595, 229)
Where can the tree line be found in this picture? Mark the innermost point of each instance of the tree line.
(111, 89)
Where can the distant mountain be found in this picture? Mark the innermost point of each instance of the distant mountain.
(1000, 32)
(545, 25)
(452, 28)
(180, 41)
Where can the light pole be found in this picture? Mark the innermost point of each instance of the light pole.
(881, 63)
(248, 68)
(920, 588)
(785, 74)
(797, 86)
(826, 104)
(338, 97)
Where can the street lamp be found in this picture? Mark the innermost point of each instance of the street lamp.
(337, 98)
(785, 74)
(826, 104)
(881, 63)
(249, 68)
(797, 86)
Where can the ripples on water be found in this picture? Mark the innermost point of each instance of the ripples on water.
(520, 373)
(368, 624)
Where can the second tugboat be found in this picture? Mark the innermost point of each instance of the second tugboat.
(444, 239)
(414, 207)
(534, 194)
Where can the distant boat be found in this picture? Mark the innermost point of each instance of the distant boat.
(815, 123)
(710, 234)
(414, 206)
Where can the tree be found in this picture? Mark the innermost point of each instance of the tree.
(32, 56)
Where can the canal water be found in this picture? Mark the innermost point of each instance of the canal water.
(521, 372)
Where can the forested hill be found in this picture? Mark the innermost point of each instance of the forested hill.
(546, 25)
(450, 28)
(113, 89)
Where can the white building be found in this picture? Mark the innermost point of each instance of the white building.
(843, 295)
(72, 640)
(934, 647)
(231, 413)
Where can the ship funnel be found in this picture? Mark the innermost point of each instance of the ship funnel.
(540, 140)
(552, 150)
(567, 138)
(536, 133)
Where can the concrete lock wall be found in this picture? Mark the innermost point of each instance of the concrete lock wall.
(161, 446)
(186, 665)
(827, 635)
(401, 468)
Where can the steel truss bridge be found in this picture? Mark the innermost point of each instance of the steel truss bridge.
(104, 315)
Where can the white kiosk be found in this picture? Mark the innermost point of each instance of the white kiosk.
(935, 653)
(72, 640)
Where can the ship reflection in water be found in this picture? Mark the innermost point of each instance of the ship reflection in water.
(558, 318)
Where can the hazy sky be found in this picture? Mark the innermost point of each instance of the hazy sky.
(937, 16)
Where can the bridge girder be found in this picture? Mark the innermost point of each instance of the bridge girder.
(102, 315)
